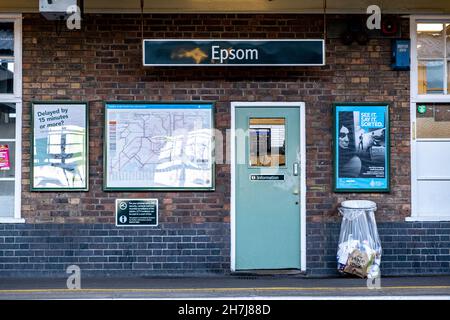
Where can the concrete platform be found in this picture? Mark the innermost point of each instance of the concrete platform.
(227, 287)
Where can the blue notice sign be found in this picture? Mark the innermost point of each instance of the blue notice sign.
(361, 147)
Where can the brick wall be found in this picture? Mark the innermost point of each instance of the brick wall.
(103, 62)
(102, 249)
(409, 248)
(419, 248)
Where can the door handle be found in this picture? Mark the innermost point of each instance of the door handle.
(295, 169)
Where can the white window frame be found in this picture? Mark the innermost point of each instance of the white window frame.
(16, 98)
(415, 98)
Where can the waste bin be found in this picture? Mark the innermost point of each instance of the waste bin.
(359, 249)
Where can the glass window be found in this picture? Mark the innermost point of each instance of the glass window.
(433, 120)
(267, 140)
(433, 57)
(7, 198)
(10, 107)
(430, 40)
(7, 140)
(6, 76)
(431, 77)
(7, 39)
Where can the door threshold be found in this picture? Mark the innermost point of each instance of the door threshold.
(268, 272)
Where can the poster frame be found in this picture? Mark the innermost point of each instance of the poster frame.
(85, 151)
(335, 144)
(150, 188)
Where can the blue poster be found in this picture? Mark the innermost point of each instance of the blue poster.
(361, 148)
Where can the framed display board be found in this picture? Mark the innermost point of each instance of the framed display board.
(361, 147)
(59, 146)
(159, 146)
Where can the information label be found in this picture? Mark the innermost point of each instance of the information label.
(271, 177)
(136, 212)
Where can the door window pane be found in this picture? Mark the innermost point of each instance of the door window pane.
(433, 120)
(7, 39)
(430, 40)
(6, 76)
(267, 140)
(431, 77)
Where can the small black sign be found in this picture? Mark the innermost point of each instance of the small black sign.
(271, 177)
(136, 212)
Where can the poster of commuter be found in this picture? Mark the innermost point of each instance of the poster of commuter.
(60, 147)
(361, 148)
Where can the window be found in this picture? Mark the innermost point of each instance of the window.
(7, 57)
(10, 117)
(433, 121)
(433, 57)
(267, 142)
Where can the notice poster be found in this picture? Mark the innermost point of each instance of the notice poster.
(4, 157)
(59, 146)
(361, 147)
(165, 146)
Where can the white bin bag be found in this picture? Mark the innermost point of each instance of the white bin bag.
(359, 250)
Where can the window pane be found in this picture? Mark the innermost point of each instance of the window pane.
(430, 41)
(7, 121)
(7, 39)
(7, 159)
(7, 198)
(6, 76)
(267, 142)
(431, 77)
(447, 38)
(433, 120)
(7, 132)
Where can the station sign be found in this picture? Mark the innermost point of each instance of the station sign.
(263, 52)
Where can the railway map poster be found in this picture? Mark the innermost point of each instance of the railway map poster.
(59, 146)
(165, 146)
(361, 147)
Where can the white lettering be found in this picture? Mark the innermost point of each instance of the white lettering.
(189, 310)
(74, 20)
(253, 54)
(240, 54)
(233, 54)
(74, 280)
(374, 283)
(374, 21)
(223, 55)
(214, 52)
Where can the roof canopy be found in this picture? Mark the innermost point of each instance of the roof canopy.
(243, 6)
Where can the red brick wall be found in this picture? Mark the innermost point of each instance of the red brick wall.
(103, 62)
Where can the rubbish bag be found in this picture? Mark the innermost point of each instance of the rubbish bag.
(359, 249)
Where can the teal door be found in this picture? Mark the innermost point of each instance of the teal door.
(267, 188)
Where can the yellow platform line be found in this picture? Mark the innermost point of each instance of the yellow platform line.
(171, 290)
